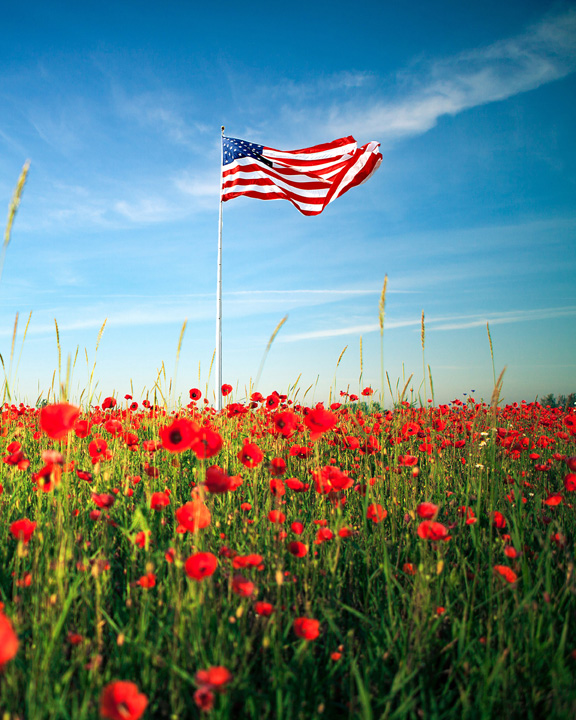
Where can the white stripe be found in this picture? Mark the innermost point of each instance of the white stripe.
(323, 154)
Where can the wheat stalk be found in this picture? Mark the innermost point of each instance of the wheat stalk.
(12, 210)
(491, 352)
(272, 337)
(381, 313)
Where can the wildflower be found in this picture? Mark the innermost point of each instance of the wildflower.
(201, 565)
(109, 403)
(306, 628)
(121, 700)
(206, 443)
(226, 389)
(242, 586)
(265, 609)
(8, 640)
(298, 549)
(376, 513)
(498, 520)
(179, 435)
(570, 481)
(217, 481)
(250, 455)
(285, 423)
(216, 677)
(427, 511)
(57, 420)
(507, 573)
(147, 581)
(159, 500)
(204, 698)
(319, 421)
(23, 529)
(276, 516)
(367, 392)
(195, 394)
(103, 500)
(193, 516)
(431, 530)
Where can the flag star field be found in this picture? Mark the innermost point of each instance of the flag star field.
(432, 143)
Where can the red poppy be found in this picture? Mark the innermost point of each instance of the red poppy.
(297, 548)
(306, 628)
(431, 530)
(159, 500)
(507, 573)
(206, 443)
(553, 499)
(265, 609)
(147, 581)
(48, 477)
(427, 511)
(277, 467)
(8, 640)
(193, 516)
(376, 513)
(277, 487)
(367, 392)
(226, 389)
(98, 449)
(201, 565)
(121, 700)
(297, 528)
(23, 529)
(204, 698)
(179, 435)
(103, 500)
(242, 586)
(570, 482)
(285, 423)
(250, 455)
(57, 420)
(276, 516)
(319, 421)
(296, 485)
(108, 403)
(216, 677)
(217, 481)
(82, 428)
(498, 520)
(195, 394)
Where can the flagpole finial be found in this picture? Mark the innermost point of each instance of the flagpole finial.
(222, 129)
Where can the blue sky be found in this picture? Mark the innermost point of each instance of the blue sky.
(472, 214)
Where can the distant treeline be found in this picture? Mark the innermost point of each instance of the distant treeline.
(562, 401)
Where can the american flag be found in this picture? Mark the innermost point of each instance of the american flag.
(309, 178)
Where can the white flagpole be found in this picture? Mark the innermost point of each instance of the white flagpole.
(219, 293)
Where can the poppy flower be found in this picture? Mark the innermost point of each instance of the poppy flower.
(264, 609)
(296, 485)
(193, 516)
(250, 455)
(98, 449)
(507, 573)
(427, 511)
(498, 520)
(204, 698)
(121, 700)
(178, 436)
(195, 394)
(201, 565)
(217, 481)
(242, 586)
(49, 477)
(23, 529)
(226, 389)
(82, 428)
(285, 423)
(103, 500)
(276, 516)
(216, 677)
(297, 527)
(306, 628)
(376, 513)
(431, 530)
(206, 443)
(8, 640)
(367, 392)
(319, 421)
(570, 482)
(57, 420)
(147, 581)
(297, 548)
(159, 500)
(108, 403)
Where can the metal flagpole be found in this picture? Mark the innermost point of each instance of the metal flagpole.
(219, 293)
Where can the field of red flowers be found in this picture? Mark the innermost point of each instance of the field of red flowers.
(281, 561)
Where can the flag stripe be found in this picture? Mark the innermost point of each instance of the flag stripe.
(309, 178)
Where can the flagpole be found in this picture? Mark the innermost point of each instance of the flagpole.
(219, 292)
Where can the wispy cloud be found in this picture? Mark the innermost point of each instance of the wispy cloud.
(544, 53)
(456, 322)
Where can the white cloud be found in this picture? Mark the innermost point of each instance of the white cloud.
(544, 53)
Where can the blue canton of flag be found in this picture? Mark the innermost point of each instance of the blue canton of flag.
(234, 149)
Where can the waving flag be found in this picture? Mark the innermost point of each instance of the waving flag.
(309, 178)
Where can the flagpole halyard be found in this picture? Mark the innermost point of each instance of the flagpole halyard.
(219, 291)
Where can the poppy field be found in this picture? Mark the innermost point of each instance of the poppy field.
(277, 560)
